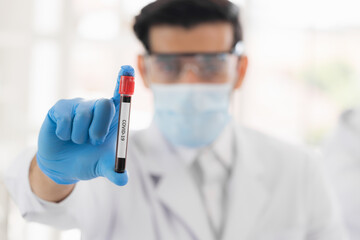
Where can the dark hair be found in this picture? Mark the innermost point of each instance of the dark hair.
(186, 13)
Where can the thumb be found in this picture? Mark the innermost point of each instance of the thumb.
(125, 70)
(105, 168)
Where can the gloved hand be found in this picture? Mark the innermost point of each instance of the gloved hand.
(77, 140)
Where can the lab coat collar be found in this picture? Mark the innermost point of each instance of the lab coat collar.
(222, 147)
(247, 194)
(174, 185)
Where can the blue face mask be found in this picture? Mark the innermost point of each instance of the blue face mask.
(191, 115)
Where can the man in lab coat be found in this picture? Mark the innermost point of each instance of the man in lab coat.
(342, 154)
(194, 174)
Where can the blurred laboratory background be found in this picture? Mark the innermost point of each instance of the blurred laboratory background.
(304, 70)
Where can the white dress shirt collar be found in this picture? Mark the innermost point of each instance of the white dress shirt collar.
(222, 147)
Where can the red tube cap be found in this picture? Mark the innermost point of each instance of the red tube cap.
(127, 85)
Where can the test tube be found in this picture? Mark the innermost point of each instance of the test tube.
(126, 90)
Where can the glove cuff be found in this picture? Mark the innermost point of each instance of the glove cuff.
(52, 174)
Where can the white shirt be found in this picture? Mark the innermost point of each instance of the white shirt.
(276, 192)
(211, 167)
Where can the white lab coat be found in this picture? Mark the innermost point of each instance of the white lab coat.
(277, 192)
(342, 153)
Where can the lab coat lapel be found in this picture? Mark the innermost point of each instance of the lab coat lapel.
(175, 187)
(179, 194)
(247, 194)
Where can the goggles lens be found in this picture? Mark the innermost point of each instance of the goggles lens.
(169, 68)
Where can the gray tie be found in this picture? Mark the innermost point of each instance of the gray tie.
(212, 177)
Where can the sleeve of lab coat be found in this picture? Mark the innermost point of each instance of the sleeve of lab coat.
(62, 215)
(324, 222)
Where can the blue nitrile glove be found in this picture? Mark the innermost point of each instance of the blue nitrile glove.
(77, 140)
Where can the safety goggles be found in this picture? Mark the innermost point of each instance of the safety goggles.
(208, 67)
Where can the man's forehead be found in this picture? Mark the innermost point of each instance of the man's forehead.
(206, 37)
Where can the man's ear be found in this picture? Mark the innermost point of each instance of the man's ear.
(241, 71)
(142, 69)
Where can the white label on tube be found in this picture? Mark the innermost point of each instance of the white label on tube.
(123, 131)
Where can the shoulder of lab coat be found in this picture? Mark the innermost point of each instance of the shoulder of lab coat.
(281, 167)
(268, 177)
(342, 155)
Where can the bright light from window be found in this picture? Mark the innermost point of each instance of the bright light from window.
(103, 25)
(47, 16)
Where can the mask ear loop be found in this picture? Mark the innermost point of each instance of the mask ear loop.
(236, 96)
(147, 70)
(233, 67)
